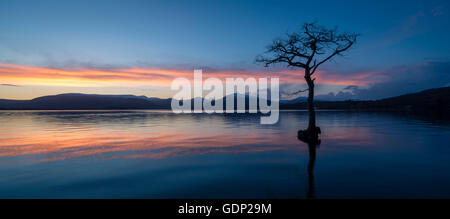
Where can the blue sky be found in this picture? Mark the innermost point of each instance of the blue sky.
(399, 36)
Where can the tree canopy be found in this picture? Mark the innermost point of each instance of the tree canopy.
(308, 48)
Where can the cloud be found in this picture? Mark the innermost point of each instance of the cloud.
(437, 11)
(359, 77)
(355, 84)
(351, 87)
(341, 95)
(10, 85)
(399, 80)
(405, 29)
(332, 84)
(108, 75)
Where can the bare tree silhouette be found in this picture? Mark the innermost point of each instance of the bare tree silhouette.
(308, 49)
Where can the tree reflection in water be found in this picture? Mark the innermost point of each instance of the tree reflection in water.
(313, 144)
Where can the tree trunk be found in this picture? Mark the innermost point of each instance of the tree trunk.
(312, 159)
(312, 133)
(311, 112)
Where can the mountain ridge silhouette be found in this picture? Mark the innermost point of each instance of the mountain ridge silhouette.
(431, 99)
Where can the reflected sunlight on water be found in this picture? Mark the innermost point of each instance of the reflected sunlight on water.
(70, 153)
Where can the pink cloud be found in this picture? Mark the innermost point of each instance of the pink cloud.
(31, 75)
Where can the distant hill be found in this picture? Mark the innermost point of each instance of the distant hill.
(87, 101)
(437, 99)
(77, 101)
(294, 101)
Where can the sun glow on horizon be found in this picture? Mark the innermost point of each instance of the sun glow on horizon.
(15, 77)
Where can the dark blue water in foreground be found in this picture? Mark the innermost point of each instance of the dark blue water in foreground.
(157, 154)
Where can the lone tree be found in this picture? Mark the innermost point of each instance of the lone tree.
(308, 48)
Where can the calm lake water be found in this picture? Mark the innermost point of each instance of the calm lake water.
(157, 154)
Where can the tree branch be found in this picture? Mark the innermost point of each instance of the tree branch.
(336, 52)
(296, 92)
(302, 48)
